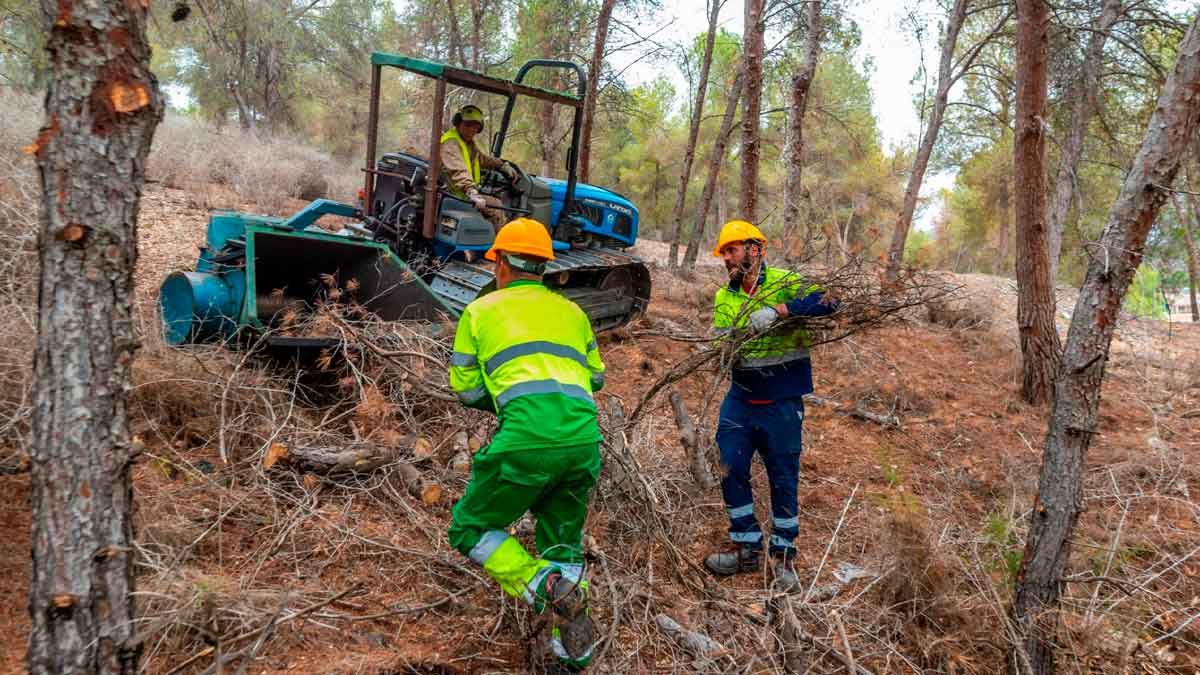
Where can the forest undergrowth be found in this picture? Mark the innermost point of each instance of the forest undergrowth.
(294, 519)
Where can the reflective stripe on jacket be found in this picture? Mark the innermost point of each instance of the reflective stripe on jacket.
(732, 308)
(529, 354)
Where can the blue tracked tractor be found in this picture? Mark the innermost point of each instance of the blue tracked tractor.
(412, 249)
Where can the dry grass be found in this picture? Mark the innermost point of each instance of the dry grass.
(220, 168)
(225, 167)
(18, 257)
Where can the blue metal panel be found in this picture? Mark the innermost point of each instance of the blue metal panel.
(607, 203)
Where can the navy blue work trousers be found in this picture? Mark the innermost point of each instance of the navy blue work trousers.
(773, 430)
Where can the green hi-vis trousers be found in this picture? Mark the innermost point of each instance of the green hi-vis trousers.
(551, 483)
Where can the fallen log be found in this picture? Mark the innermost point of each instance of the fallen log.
(360, 457)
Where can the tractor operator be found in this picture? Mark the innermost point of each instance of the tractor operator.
(462, 160)
(763, 411)
(529, 355)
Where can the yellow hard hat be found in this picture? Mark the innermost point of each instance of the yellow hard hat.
(468, 113)
(737, 230)
(523, 236)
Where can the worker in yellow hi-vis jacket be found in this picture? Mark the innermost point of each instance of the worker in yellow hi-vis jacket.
(529, 355)
(462, 161)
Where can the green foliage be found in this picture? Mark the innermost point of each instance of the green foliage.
(1144, 298)
(1001, 537)
(918, 249)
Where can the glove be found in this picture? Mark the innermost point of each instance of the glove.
(762, 319)
(477, 199)
(507, 170)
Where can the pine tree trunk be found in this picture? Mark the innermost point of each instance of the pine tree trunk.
(753, 108)
(549, 124)
(593, 89)
(1082, 98)
(1040, 346)
(715, 159)
(1073, 417)
(1004, 207)
(102, 105)
(689, 155)
(456, 42)
(794, 150)
(476, 36)
(913, 189)
(1189, 241)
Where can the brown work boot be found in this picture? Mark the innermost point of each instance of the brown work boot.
(734, 560)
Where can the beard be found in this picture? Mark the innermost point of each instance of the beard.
(738, 271)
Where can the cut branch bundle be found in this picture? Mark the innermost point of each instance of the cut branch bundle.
(358, 458)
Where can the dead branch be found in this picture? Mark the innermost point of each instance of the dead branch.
(270, 624)
(617, 450)
(886, 421)
(690, 640)
(787, 625)
(698, 461)
(427, 491)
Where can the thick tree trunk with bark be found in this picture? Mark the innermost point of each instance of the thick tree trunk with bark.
(753, 47)
(689, 155)
(102, 105)
(1040, 345)
(593, 88)
(1073, 418)
(715, 159)
(912, 190)
(794, 150)
(1082, 99)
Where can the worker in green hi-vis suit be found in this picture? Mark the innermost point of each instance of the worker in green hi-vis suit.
(529, 355)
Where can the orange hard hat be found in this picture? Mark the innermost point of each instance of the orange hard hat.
(523, 236)
(735, 231)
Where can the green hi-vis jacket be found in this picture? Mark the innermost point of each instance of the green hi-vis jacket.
(529, 355)
(732, 308)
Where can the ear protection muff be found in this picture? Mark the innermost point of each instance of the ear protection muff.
(527, 266)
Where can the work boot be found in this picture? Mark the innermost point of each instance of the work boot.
(574, 634)
(784, 571)
(733, 561)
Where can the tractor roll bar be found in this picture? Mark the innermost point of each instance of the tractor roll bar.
(444, 75)
(576, 126)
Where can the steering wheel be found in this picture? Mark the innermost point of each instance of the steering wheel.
(496, 178)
